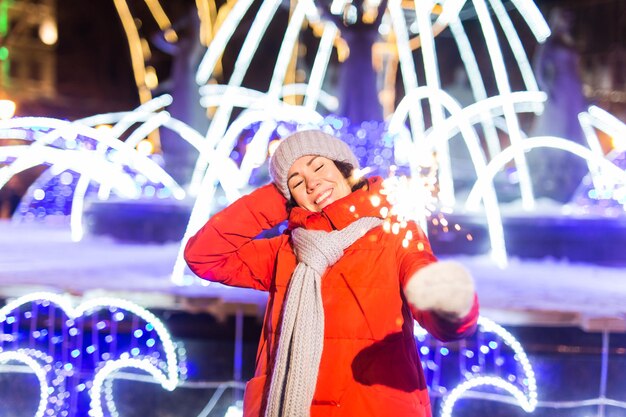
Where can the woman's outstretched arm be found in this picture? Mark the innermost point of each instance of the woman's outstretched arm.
(441, 294)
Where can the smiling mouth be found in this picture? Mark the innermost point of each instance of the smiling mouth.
(323, 196)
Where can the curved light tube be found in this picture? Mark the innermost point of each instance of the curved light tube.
(496, 164)
(20, 356)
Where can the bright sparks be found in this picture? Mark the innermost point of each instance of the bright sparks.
(411, 198)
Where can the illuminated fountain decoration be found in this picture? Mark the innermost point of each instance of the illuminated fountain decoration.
(81, 160)
(596, 195)
(490, 362)
(246, 123)
(75, 352)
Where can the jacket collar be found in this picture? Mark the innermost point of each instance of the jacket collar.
(364, 202)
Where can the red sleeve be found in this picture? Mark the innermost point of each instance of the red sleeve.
(416, 255)
(225, 249)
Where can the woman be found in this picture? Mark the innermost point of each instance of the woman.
(337, 338)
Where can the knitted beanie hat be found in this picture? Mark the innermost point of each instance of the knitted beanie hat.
(306, 142)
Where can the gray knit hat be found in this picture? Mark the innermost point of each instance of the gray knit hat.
(306, 142)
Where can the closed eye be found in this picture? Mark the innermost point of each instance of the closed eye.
(319, 167)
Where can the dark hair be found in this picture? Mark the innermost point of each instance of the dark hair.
(346, 170)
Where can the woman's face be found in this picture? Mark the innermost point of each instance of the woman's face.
(315, 182)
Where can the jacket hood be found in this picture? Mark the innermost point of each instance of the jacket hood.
(364, 202)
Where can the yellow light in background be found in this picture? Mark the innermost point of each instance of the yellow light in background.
(609, 142)
(145, 147)
(300, 75)
(207, 12)
(170, 35)
(343, 50)
(145, 49)
(271, 147)
(370, 11)
(7, 109)
(48, 32)
(162, 20)
(104, 127)
(618, 144)
(152, 81)
(136, 49)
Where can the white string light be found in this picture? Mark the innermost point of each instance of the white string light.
(609, 124)
(450, 12)
(152, 124)
(248, 98)
(526, 400)
(20, 355)
(502, 82)
(221, 38)
(143, 111)
(407, 64)
(516, 46)
(448, 404)
(476, 82)
(168, 379)
(314, 90)
(446, 185)
(533, 17)
(114, 365)
(286, 49)
(611, 171)
(127, 154)
(81, 161)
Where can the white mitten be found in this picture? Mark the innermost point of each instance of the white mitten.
(445, 288)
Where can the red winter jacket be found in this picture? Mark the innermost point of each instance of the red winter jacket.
(369, 365)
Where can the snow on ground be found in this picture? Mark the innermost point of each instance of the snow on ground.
(35, 257)
(551, 292)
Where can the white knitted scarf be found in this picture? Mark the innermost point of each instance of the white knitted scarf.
(301, 337)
